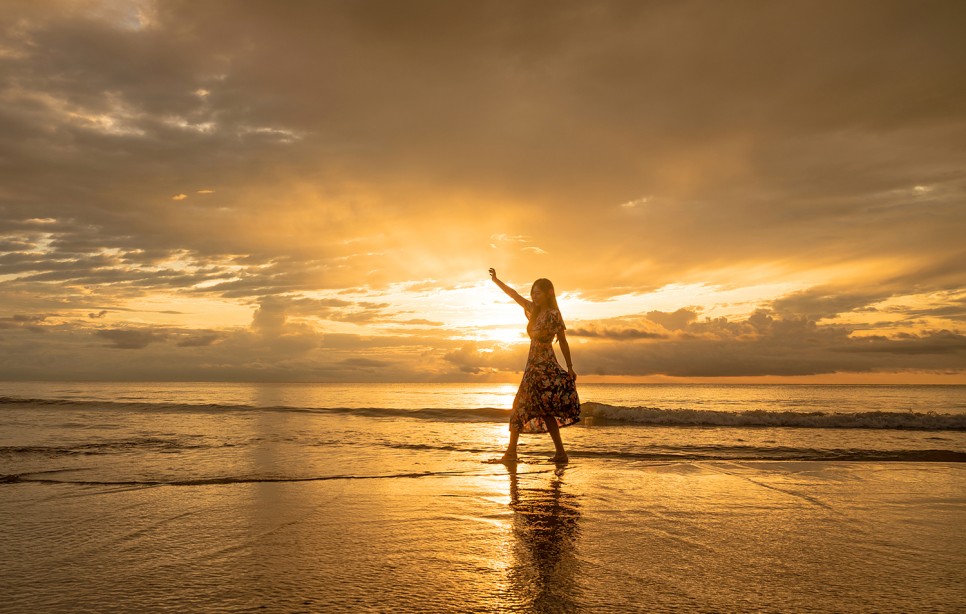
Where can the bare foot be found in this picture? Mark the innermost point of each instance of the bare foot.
(560, 459)
(506, 459)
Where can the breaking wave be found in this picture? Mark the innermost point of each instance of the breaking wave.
(593, 413)
(928, 421)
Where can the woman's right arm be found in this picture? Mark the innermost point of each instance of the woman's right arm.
(509, 291)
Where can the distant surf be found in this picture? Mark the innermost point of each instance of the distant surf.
(597, 413)
(928, 421)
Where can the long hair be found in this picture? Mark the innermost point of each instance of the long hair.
(547, 287)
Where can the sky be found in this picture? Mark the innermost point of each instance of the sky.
(741, 191)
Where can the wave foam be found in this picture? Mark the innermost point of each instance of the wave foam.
(598, 412)
(762, 418)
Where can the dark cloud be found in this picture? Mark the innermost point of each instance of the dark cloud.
(32, 322)
(765, 345)
(616, 147)
(652, 325)
(363, 363)
(609, 333)
(955, 311)
(273, 313)
(130, 339)
(836, 113)
(200, 340)
(941, 342)
(825, 302)
(467, 359)
(27, 318)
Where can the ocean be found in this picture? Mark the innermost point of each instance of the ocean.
(377, 497)
(49, 423)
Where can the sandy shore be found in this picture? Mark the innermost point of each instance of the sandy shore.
(595, 536)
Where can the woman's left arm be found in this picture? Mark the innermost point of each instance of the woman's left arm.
(565, 349)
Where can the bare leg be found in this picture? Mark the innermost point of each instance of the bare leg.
(510, 456)
(554, 430)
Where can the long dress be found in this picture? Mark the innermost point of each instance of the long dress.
(547, 392)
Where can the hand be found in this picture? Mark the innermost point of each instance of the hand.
(492, 274)
(571, 373)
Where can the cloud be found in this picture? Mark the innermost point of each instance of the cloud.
(768, 344)
(130, 339)
(701, 148)
(518, 242)
(677, 320)
(272, 315)
(954, 311)
(651, 325)
(269, 318)
(826, 302)
(610, 333)
(200, 340)
(419, 322)
(506, 238)
(473, 359)
(631, 204)
(31, 322)
(813, 150)
(941, 342)
(763, 343)
(467, 359)
(363, 363)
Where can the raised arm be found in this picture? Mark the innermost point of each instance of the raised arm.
(509, 291)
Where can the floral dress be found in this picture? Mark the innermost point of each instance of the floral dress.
(547, 390)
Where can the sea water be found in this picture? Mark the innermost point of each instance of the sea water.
(44, 425)
(321, 497)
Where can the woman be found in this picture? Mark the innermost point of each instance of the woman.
(547, 398)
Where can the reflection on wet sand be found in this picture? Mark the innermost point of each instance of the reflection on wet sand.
(546, 527)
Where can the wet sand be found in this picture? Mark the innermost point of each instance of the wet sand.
(597, 535)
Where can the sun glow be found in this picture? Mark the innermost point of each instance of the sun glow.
(305, 237)
(477, 311)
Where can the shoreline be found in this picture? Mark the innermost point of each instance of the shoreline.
(702, 535)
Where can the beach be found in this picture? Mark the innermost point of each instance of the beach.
(704, 536)
(130, 507)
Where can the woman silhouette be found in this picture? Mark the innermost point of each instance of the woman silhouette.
(547, 398)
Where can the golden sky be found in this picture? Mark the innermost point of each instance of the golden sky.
(313, 191)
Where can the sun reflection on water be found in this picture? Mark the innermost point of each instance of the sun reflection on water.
(544, 564)
(500, 395)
